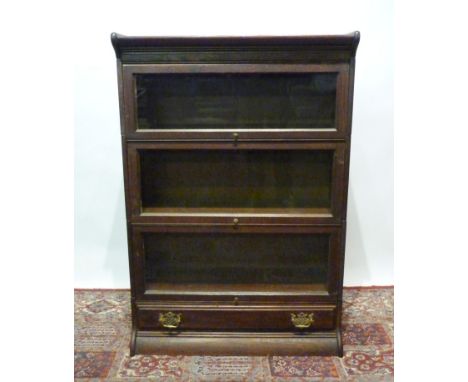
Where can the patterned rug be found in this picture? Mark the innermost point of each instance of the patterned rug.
(102, 332)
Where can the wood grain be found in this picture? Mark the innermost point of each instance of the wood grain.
(242, 318)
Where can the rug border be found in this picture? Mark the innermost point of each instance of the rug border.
(345, 287)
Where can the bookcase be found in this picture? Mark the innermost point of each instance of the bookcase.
(236, 160)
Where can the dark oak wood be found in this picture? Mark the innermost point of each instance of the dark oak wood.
(326, 343)
(184, 231)
(250, 318)
(260, 49)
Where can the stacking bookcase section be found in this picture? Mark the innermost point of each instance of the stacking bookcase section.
(248, 183)
(238, 264)
(236, 159)
(236, 102)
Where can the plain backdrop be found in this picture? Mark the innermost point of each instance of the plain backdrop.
(100, 233)
(40, 105)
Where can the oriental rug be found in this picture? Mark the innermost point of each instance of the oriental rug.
(102, 333)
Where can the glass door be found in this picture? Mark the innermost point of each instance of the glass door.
(193, 101)
(178, 261)
(255, 181)
(236, 101)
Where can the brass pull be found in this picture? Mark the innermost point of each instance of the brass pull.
(235, 222)
(302, 320)
(170, 320)
(235, 136)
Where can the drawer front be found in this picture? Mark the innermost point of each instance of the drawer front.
(241, 318)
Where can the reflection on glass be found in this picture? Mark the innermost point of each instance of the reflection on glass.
(236, 179)
(184, 258)
(236, 101)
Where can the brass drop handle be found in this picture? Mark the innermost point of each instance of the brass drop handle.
(235, 222)
(302, 320)
(170, 320)
(235, 136)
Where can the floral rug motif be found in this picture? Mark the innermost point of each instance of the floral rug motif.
(102, 334)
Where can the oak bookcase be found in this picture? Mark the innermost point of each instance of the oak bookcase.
(236, 160)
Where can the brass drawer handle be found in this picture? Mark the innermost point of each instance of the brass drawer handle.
(302, 320)
(170, 320)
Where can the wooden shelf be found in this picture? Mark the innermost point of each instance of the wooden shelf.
(300, 212)
(236, 289)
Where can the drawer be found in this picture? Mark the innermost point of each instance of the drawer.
(240, 318)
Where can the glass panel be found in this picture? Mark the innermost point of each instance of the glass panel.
(236, 101)
(244, 179)
(184, 258)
